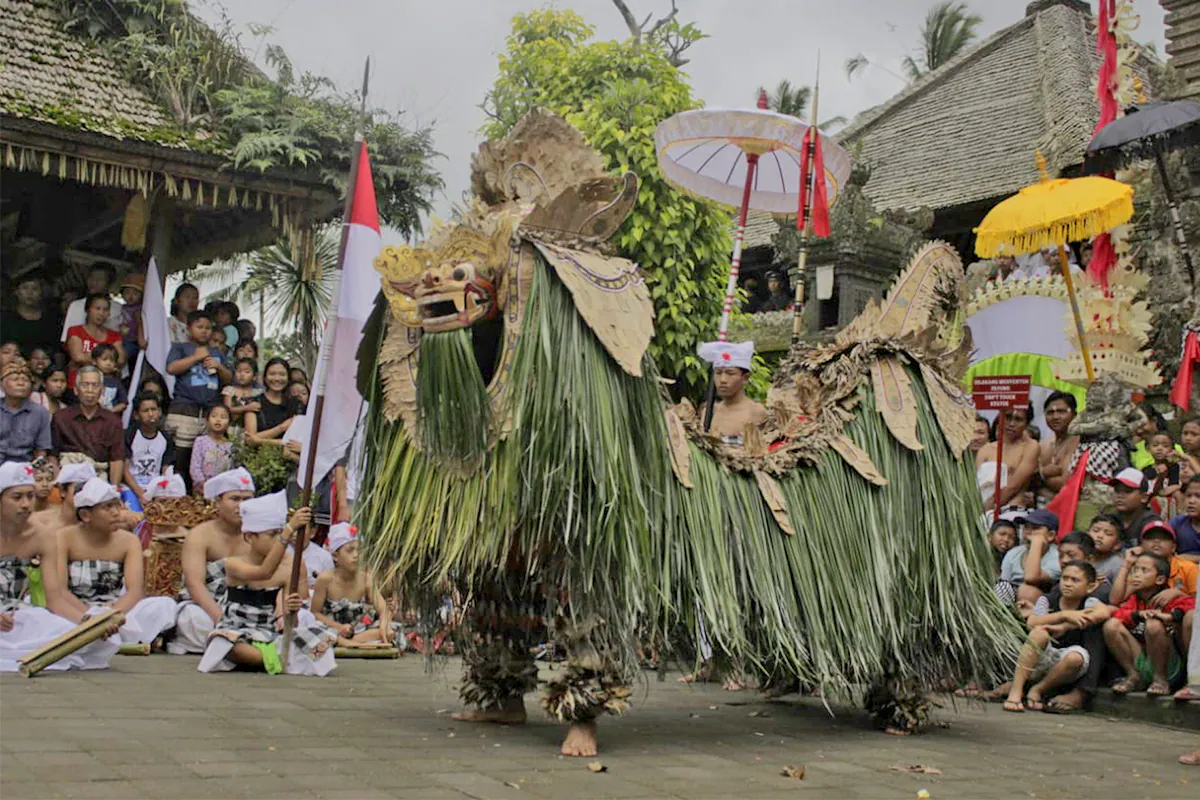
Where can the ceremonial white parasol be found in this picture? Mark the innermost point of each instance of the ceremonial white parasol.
(744, 158)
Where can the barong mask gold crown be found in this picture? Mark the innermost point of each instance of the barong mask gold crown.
(544, 182)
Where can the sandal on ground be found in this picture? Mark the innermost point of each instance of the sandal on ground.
(1015, 706)
(1186, 695)
(1128, 684)
(1034, 705)
(1159, 688)
(969, 692)
(1191, 759)
(1057, 706)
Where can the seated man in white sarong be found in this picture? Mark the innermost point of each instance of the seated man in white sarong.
(249, 632)
(103, 565)
(202, 601)
(23, 549)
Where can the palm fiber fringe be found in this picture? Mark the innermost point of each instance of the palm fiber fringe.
(581, 695)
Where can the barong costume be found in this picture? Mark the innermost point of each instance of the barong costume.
(522, 451)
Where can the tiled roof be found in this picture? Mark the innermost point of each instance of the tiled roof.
(48, 75)
(761, 228)
(969, 130)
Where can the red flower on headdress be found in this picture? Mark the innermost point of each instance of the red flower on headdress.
(726, 356)
(245, 480)
(28, 470)
(164, 483)
(353, 530)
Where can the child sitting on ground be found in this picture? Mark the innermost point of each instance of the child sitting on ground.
(1146, 639)
(1189, 440)
(1105, 531)
(1187, 524)
(345, 598)
(114, 397)
(1158, 538)
(212, 452)
(1065, 620)
(248, 633)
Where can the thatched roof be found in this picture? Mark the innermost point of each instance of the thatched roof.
(50, 76)
(968, 131)
(761, 228)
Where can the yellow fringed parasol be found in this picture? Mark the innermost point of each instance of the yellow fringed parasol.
(1051, 213)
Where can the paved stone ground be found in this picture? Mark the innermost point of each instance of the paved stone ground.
(153, 727)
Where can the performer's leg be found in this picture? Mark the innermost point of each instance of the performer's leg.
(592, 684)
(499, 668)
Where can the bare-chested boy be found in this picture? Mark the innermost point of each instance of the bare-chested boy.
(202, 601)
(1020, 454)
(1056, 451)
(734, 412)
(70, 478)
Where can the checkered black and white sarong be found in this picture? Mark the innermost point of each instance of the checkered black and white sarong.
(96, 580)
(250, 617)
(1105, 461)
(214, 581)
(359, 613)
(14, 582)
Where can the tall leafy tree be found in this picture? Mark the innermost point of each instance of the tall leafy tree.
(793, 101)
(293, 278)
(616, 93)
(948, 29)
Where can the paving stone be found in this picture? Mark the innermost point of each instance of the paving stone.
(373, 730)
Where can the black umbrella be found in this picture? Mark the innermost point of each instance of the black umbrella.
(1147, 131)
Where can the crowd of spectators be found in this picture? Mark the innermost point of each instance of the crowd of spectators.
(65, 373)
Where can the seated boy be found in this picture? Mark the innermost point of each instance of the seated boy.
(1146, 641)
(1106, 534)
(1074, 661)
(1187, 524)
(1131, 501)
(1158, 538)
(1032, 566)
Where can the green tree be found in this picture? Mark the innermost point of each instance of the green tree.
(948, 29)
(793, 101)
(616, 93)
(294, 279)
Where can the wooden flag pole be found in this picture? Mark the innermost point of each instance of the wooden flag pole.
(314, 431)
(811, 185)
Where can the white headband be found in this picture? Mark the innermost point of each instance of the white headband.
(266, 513)
(340, 535)
(234, 480)
(95, 492)
(79, 472)
(166, 486)
(15, 473)
(727, 354)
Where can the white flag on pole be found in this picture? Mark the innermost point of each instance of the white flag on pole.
(355, 299)
(158, 337)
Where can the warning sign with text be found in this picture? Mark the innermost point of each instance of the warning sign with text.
(999, 392)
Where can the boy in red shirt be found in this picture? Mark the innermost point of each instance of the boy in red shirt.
(1166, 632)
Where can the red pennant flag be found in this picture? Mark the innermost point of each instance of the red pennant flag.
(1181, 389)
(1104, 258)
(820, 200)
(1066, 503)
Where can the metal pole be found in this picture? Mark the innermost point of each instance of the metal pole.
(314, 430)
(1083, 348)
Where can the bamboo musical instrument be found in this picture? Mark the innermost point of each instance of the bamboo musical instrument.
(366, 652)
(134, 649)
(78, 637)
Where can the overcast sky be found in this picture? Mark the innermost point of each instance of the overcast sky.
(435, 59)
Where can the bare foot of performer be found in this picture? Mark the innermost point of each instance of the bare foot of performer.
(581, 740)
(510, 712)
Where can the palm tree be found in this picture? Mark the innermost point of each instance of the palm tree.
(293, 278)
(948, 29)
(793, 101)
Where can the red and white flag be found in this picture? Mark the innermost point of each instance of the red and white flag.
(344, 406)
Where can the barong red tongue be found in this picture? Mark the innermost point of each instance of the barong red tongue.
(1066, 503)
(820, 199)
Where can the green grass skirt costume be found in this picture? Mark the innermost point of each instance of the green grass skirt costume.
(523, 454)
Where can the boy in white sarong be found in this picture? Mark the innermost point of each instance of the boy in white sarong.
(103, 565)
(23, 549)
(249, 632)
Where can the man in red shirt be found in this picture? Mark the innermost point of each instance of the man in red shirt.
(1164, 628)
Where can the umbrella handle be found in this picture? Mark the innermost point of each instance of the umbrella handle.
(1083, 348)
(739, 236)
